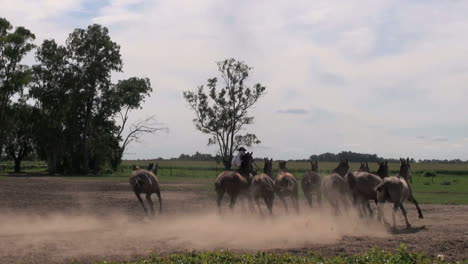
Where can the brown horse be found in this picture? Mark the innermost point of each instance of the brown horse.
(311, 183)
(235, 183)
(363, 188)
(264, 186)
(286, 185)
(396, 190)
(336, 187)
(145, 181)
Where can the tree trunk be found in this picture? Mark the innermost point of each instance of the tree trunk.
(17, 165)
(227, 164)
(85, 140)
(52, 163)
(116, 159)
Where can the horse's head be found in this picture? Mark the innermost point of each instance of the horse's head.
(153, 168)
(314, 165)
(364, 167)
(282, 165)
(135, 167)
(405, 169)
(268, 167)
(383, 169)
(342, 169)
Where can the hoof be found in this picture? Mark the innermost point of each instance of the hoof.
(408, 226)
(421, 216)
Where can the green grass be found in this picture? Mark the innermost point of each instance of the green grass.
(402, 256)
(205, 172)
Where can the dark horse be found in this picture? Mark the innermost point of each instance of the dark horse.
(311, 183)
(145, 181)
(235, 182)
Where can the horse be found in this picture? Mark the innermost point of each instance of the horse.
(263, 186)
(336, 187)
(311, 183)
(235, 182)
(286, 185)
(363, 188)
(396, 190)
(145, 181)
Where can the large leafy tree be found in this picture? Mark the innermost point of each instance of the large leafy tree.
(222, 111)
(20, 133)
(52, 84)
(80, 107)
(94, 57)
(14, 45)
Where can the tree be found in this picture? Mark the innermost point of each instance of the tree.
(223, 112)
(51, 87)
(13, 75)
(94, 57)
(19, 141)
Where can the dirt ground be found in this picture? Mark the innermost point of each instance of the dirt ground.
(56, 220)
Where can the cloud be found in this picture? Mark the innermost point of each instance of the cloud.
(439, 139)
(293, 111)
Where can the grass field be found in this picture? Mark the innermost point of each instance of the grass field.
(402, 256)
(450, 186)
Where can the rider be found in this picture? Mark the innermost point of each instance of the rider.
(237, 160)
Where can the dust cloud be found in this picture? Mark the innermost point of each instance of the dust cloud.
(88, 237)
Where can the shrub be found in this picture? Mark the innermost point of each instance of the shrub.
(430, 174)
(445, 183)
(427, 183)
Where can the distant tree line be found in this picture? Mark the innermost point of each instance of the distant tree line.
(197, 157)
(65, 109)
(361, 157)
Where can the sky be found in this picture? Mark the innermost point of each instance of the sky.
(376, 76)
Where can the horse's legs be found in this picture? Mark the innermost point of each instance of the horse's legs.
(380, 212)
(319, 197)
(308, 196)
(233, 200)
(413, 200)
(150, 202)
(250, 202)
(141, 202)
(284, 202)
(403, 210)
(257, 201)
(220, 198)
(369, 209)
(395, 208)
(295, 198)
(158, 193)
(269, 203)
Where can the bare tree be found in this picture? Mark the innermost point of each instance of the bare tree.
(135, 131)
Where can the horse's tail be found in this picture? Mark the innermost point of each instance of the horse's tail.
(381, 186)
(290, 184)
(217, 185)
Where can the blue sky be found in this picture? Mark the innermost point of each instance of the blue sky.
(386, 77)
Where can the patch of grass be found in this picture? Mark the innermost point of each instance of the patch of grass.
(441, 198)
(402, 256)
